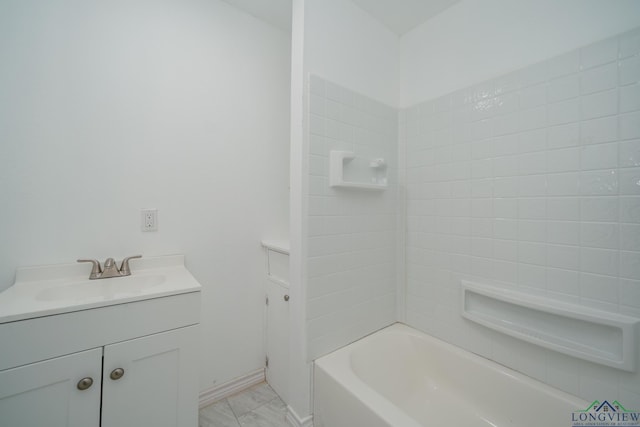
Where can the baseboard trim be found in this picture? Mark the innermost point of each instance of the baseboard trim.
(213, 394)
(295, 420)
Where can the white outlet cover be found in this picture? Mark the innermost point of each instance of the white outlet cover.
(149, 219)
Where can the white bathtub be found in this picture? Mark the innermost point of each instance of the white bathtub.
(401, 377)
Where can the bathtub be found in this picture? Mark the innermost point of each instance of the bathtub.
(401, 377)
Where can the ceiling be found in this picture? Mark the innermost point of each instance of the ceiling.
(400, 16)
(275, 12)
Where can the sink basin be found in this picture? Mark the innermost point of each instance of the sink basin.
(101, 289)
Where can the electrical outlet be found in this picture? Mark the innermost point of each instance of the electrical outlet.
(149, 219)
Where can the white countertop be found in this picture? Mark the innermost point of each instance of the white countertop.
(55, 289)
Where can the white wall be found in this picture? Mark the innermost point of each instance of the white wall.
(529, 181)
(108, 107)
(299, 391)
(347, 46)
(477, 40)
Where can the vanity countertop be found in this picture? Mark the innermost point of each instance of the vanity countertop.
(56, 289)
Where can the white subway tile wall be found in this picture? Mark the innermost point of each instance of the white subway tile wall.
(531, 180)
(351, 288)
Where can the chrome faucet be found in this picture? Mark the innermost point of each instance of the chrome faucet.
(110, 268)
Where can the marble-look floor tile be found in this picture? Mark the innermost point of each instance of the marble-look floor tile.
(271, 414)
(251, 399)
(218, 414)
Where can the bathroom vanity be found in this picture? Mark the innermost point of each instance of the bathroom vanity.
(116, 352)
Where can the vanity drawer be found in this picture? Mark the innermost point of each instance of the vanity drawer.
(41, 338)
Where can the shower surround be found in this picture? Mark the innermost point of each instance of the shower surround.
(528, 181)
(353, 233)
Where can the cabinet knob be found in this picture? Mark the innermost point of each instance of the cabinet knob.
(286, 297)
(85, 383)
(116, 374)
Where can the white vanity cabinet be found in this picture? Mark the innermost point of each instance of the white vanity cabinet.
(155, 389)
(129, 363)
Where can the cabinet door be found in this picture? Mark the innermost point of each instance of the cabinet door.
(278, 339)
(46, 394)
(159, 384)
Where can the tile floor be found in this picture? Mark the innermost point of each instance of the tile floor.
(258, 406)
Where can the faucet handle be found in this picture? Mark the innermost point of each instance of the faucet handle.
(124, 267)
(95, 269)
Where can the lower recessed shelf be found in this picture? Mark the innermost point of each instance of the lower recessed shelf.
(594, 335)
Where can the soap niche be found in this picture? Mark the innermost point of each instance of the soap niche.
(351, 171)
